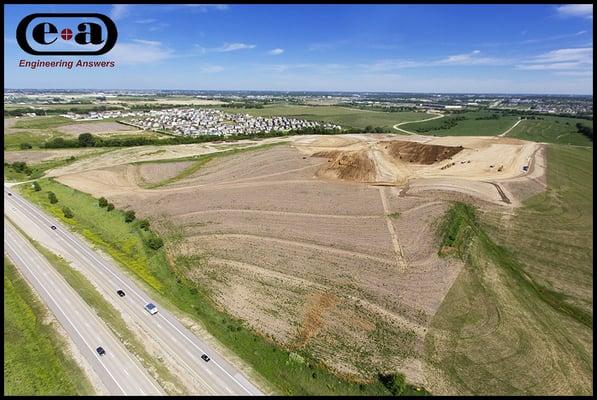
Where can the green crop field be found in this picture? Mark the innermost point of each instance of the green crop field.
(552, 130)
(343, 116)
(476, 123)
(518, 320)
(34, 360)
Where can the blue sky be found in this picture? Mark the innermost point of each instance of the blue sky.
(400, 48)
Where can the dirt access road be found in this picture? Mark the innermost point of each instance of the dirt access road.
(397, 126)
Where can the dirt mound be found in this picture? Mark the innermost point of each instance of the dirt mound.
(350, 165)
(419, 153)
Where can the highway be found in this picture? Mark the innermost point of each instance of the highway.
(119, 373)
(175, 342)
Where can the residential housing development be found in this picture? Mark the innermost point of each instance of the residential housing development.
(204, 121)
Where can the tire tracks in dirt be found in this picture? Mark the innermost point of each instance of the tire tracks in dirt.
(400, 262)
(293, 280)
(308, 245)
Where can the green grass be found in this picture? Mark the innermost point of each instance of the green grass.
(345, 117)
(13, 140)
(34, 360)
(559, 130)
(470, 126)
(112, 318)
(42, 122)
(200, 160)
(167, 281)
(518, 319)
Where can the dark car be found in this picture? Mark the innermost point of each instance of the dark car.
(120, 293)
(205, 357)
(100, 350)
(10, 194)
(53, 227)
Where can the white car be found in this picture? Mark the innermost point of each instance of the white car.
(151, 308)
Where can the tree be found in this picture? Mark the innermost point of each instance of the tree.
(67, 212)
(52, 197)
(102, 202)
(144, 224)
(155, 242)
(110, 207)
(36, 186)
(25, 146)
(86, 140)
(129, 216)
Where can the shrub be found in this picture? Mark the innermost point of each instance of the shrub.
(67, 212)
(144, 224)
(155, 242)
(394, 383)
(52, 197)
(110, 207)
(25, 146)
(102, 202)
(129, 216)
(36, 186)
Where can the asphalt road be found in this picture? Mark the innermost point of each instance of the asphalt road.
(119, 373)
(179, 344)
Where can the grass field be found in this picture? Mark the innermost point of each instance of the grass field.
(518, 320)
(345, 117)
(284, 370)
(469, 126)
(42, 122)
(552, 130)
(13, 141)
(34, 361)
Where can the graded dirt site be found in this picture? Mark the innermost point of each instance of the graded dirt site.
(325, 244)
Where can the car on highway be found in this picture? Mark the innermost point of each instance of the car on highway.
(100, 350)
(10, 194)
(120, 293)
(205, 357)
(151, 308)
(53, 227)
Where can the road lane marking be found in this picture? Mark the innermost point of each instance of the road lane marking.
(67, 318)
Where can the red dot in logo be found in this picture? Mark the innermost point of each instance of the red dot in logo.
(66, 34)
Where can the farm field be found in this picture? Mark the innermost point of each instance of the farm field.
(469, 126)
(35, 362)
(552, 130)
(344, 116)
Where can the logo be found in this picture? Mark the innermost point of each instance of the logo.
(56, 34)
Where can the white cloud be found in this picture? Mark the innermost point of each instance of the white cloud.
(276, 52)
(561, 59)
(119, 11)
(207, 7)
(146, 21)
(471, 58)
(140, 52)
(211, 69)
(576, 10)
(581, 55)
(226, 47)
(148, 42)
